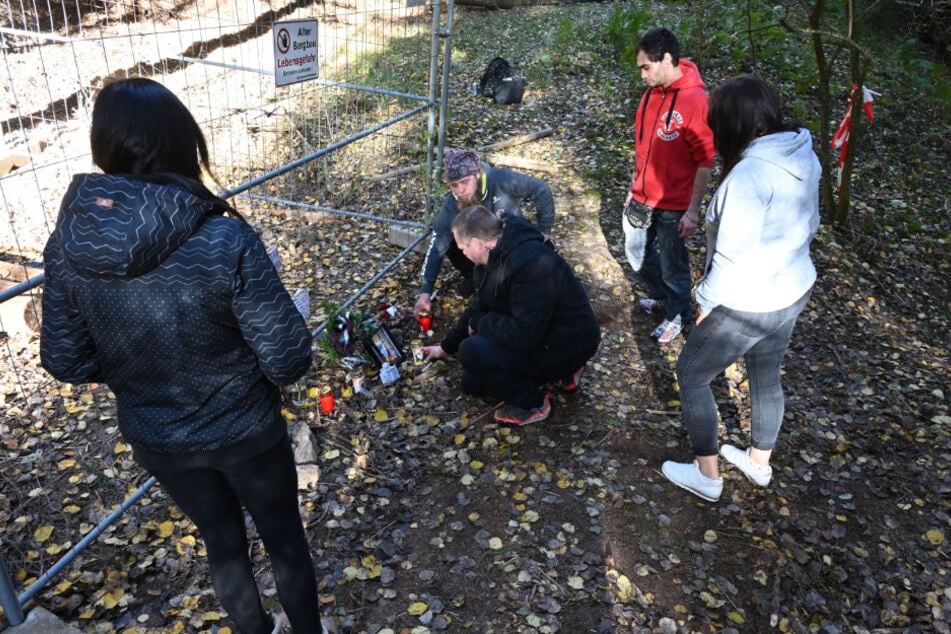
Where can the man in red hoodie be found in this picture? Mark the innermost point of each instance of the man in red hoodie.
(674, 152)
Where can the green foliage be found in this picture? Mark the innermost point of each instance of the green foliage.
(345, 329)
(801, 111)
(569, 50)
(943, 91)
(738, 38)
(558, 55)
(929, 79)
(403, 66)
(562, 43)
(910, 223)
(329, 354)
(623, 29)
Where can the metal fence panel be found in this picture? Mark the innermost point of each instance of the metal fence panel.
(314, 165)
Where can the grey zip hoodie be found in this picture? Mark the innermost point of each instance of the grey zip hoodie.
(760, 223)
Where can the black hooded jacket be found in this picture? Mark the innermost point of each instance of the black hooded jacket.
(179, 310)
(527, 297)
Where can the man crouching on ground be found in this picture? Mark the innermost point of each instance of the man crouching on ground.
(529, 323)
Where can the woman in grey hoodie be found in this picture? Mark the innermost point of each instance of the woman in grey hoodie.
(758, 279)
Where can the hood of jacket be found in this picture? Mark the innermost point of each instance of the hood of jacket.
(790, 151)
(114, 226)
(690, 78)
(517, 231)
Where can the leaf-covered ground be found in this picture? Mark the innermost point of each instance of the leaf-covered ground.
(430, 518)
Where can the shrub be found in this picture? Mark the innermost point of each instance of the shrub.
(623, 29)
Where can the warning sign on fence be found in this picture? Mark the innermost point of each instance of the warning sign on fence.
(295, 51)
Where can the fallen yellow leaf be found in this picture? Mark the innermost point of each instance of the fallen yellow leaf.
(185, 543)
(43, 533)
(111, 599)
(935, 537)
(418, 608)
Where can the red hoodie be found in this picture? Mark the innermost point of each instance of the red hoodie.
(671, 140)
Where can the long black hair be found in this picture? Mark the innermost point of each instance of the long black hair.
(141, 129)
(741, 109)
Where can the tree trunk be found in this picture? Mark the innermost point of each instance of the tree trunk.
(824, 93)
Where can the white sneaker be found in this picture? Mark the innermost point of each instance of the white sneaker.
(669, 330)
(741, 460)
(282, 625)
(688, 476)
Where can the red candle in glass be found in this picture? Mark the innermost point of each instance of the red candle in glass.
(425, 321)
(326, 399)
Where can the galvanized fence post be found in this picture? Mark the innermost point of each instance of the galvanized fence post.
(8, 597)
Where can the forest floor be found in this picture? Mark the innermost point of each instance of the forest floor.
(429, 517)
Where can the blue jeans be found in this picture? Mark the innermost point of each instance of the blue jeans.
(722, 337)
(666, 266)
(516, 375)
(266, 484)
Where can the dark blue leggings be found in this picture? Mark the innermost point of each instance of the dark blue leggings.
(266, 484)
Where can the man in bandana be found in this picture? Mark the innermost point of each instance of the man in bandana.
(473, 182)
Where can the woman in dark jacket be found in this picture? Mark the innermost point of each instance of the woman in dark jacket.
(530, 322)
(153, 290)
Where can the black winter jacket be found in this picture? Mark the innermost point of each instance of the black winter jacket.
(180, 311)
(527, 297)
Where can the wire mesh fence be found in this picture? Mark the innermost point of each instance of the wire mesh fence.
(321, 168)
(374, 61)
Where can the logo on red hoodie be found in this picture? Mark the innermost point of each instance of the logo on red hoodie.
(670, 126)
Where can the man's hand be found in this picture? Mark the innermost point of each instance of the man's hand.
(688, 223)
(431, 353)
(700, 316)
(423, 302)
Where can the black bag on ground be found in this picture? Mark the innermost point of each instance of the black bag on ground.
(499, 82)
(510, 91)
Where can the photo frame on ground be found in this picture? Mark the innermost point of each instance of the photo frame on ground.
(381, 347)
